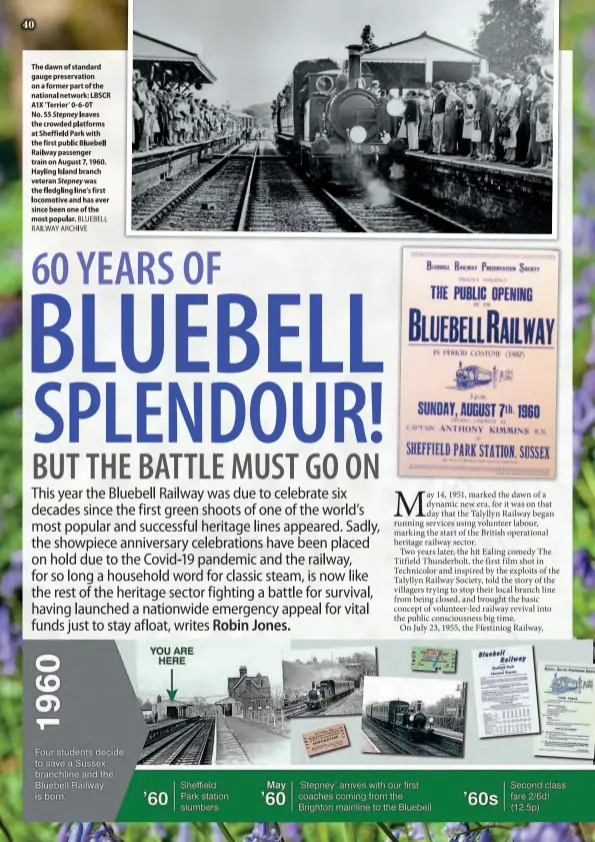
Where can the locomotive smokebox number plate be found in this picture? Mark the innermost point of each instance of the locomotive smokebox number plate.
(373, 148)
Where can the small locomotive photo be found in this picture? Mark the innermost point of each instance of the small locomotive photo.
(327, 692)
(411, 718)
(326, 683)
(433, 725)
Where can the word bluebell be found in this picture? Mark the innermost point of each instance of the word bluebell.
(236, 335)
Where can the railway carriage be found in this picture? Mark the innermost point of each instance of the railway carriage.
(387, 711)
(332, 123)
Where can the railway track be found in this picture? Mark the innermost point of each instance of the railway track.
(383, 211)
(147, 208)
(160, 730)
(391, 744)
(301, 708)
(279, 199)
(241, 192)
(193, 746)
(295, 710)
(208, 199)
(249, 190)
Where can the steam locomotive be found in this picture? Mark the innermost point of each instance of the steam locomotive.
(404, 719)
(328, 691)
(334, 124)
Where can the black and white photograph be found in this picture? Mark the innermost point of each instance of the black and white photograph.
(326, 682)
(415, 716)
(211, 704)
(391, 118)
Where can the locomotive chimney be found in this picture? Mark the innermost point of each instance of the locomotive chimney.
(355, 64)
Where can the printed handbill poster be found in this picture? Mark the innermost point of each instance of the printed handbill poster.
(478, 364)
(505, 692)
(567, 707)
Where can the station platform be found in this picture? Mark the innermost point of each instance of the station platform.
(241, 743)
(158, 152)
(488, 195)
(368, 747)
(493, 165)
(153, 166)
(454, 735)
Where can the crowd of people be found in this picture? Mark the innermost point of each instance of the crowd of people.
(169, 112)
(489, 118)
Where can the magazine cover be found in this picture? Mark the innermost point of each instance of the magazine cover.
(297, 496)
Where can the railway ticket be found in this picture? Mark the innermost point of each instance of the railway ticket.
(567, 709)
(325, 739)
(433, 660)
(479, 365)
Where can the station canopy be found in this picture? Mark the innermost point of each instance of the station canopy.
(420, 62)
(151, 51)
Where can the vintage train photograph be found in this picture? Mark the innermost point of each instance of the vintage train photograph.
(215, 704)
(413, 716)
(326, 682)
(337, 118)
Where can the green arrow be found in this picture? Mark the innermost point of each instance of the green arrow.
(171, 692)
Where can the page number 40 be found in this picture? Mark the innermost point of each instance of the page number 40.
(28, 23)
